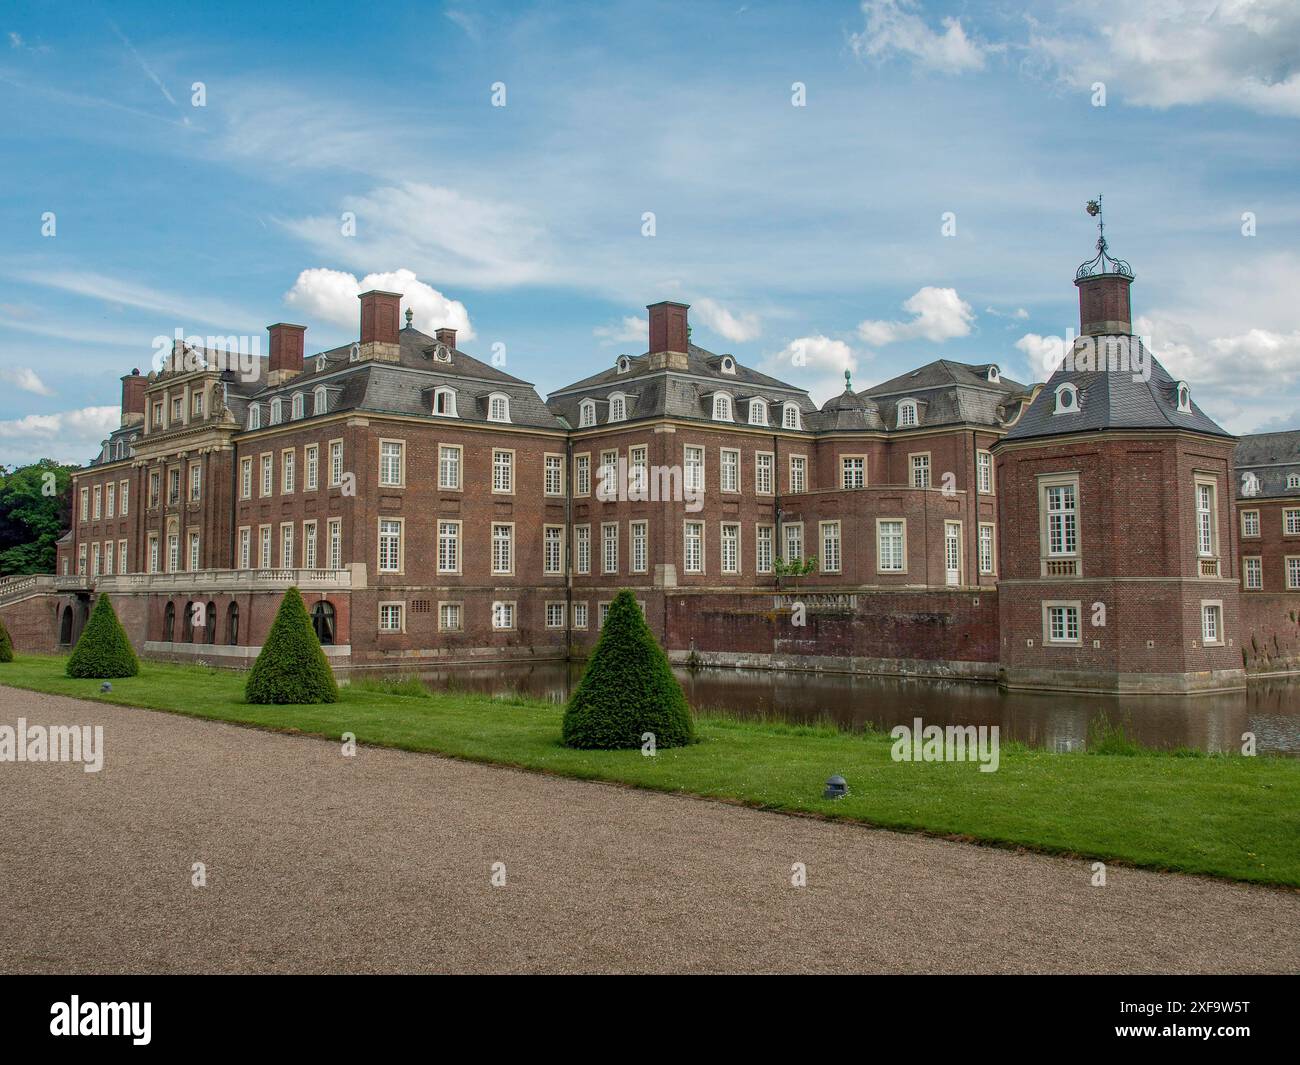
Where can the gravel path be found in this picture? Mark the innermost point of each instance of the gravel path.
(382, 862)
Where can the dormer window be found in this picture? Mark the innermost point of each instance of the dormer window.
(498, 407)
(1184, 396)
(277, 411)
(993, 376)
(623, 364)
(319, 402)
(586, 413)
(254, 416)
(1293, 480)
(355, 354)
(298, 405)
(441, 353)
(728, 364)
(907, 416)
(320, 363)
(1067, 399)
(757, 412)
(444, 401)
(721, 407)
(617, 407)
(790, 416)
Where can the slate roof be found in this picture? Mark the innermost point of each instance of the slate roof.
(1271, 457)
(1111, 399)
(948, 393)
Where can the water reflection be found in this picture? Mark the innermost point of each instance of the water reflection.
(1058, 721)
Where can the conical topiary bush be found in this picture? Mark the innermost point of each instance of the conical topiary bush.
(628, 688)
(6, 644)
(291, 667)
(103, 650)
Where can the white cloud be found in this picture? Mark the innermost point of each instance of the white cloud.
(937, 314)
(737, 329)
(26, 379)
(332, 295)
(1043, 353)
(816, 363)
(67, 436)
(179, 309)
(894, 29)
(1241, 52)
(629, 331)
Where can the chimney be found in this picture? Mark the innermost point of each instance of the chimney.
(133, 386)
(668, 335)
(286, 352)
(1104, 305)
(379, 326)
(445, 336)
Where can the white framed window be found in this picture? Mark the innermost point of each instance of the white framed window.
(298, 407)
(1211, 623)
(729, 477)
(110, 499)
(1293, 480)
(1291, 521)
(617, 407)
(582, 475)
(907, 414)
(81, 557)
(390, 545)
(245, 548)
(553, 549)
(609, 547)
(335, 543)
(448, 546)
(289, 470)
(1061, 623)
(992, 375)
(450, 461)
(582, 548)
(194, 551)
(586, 413)
(1067, 399)
(392, 463)
(693, 468)
(1184, 396)
(984, 472)
(757, 412)
(1252, 573)
(309, 545)
(121, 556)
(286, 545)
(1292, 572)
(319, 401)
(730, 547)
(553, 475)
(153, 556)
(623, 364)
(311, 459)
(1060, 520)
(830, 535)
(196, 482)
(793, 532)
(638, 462)
(264, 552)
(853, 471)
(798, 474)
(640, 533)
(579, 615)
(277, 411)
(987, 554)
(444, 401)
(952, 552)
(606, 476)
(123, 497)
(503, 471)
(94, 559)
(555, 615)
(764, 463)
(498, 407)
(268, 474)
(728, 364)
(391, 617)
(254, 415)
(85, 504)
(99, 502)
(336, 463)
(196, 404)
(503, 548)
(1206, 520)
(693, 553)
(790, 416)
(503, 615)
(891, 545)
(919, 466)
(721, 407)
(108, 558)
(449, 617)
(764, 541)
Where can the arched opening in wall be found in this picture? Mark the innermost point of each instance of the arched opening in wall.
(187, 624)
(322, 620)
(211, 620)
(232, 624)
(65, 626)
(169, 623)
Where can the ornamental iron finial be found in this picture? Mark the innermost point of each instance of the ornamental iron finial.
(848, 381)
(1103, 262)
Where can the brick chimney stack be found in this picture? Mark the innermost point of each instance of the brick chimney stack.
(285, 360)
(380, 312)
(669, 337)
(133, 386)
(1104, 305)
(445, 336)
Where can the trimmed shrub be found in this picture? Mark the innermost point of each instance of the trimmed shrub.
(291, 667)
(628, 688)
(6, 644)
(103, 649)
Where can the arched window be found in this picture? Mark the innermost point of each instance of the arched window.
(586, 413)
(790, 416)
(907, 414)
(1293, 480)
(211, 620)
(1184, 395)
(721, 407)
(757, 412)
(498, 407)
(444, 401)
(1067, 399)
(320, 401)
(187, 624)
(254, 416)
(298, 405)
(322, 620)
(617, 407)
(277, 413)
(728, 364)
(169, 623)
(994, 375)
(623, 364)
(232, 624)
(320, 363)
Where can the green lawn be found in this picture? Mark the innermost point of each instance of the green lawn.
(1233, 817)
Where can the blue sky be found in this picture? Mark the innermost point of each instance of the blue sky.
(817, 228)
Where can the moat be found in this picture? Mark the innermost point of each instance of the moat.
(1056, 721)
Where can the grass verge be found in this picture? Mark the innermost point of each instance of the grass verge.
(1225, 816)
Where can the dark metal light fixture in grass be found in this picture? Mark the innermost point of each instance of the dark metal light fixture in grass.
(106, 687)
(836, 788)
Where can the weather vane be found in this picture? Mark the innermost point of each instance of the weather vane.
(1103, 262)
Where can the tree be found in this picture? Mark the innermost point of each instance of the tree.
(6, 644)
(628, 689)
(103, 649)
(35, 509)
(794, 569)
(291, 667)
